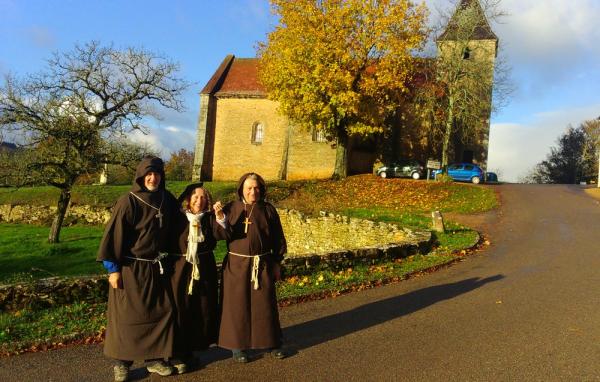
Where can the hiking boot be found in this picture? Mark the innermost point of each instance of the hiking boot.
(240, 356)
(278, 353)
(160, 368)
(121, 373)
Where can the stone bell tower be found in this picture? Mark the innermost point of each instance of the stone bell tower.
(469, 39)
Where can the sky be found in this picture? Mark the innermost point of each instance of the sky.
(551, 45)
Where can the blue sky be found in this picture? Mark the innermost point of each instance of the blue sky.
(551, 45)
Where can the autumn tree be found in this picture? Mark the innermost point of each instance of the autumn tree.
(469, 81)
(339, 66)
(71, 118)
(180, 165)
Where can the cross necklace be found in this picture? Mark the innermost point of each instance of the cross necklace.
(159, 214)
(247, 221)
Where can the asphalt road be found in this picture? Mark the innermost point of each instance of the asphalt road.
(525, 309)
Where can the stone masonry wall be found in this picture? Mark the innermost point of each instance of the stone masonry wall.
(325, 242)
(234, 154)
(76, 214)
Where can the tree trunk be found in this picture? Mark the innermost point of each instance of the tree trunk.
(63, 204)
(446, 138)
(283, 175)
(340, 170)
(598, 181)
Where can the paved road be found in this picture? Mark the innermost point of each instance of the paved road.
(526, 309)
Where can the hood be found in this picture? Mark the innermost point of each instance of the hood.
(147, 165)
(261, 185)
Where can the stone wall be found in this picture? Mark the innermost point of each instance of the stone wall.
(286, 151)
(54, 291)
(76, 214)
(336, 242)
(326, 242)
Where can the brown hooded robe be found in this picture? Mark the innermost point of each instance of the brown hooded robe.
(249, 318)
(197, 313)
(140, 316)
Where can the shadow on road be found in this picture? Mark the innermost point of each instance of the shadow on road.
(324, 329)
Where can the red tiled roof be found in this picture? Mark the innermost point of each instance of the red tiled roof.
(236, 77)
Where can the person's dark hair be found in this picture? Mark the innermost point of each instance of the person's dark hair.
(186, 195)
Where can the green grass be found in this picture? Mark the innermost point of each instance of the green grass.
(25, 253)
(466, 199)
(37, 329)
(357, 277)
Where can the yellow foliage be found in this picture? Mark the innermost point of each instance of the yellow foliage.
(341, 64)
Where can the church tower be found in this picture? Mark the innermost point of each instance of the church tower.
(470, 43)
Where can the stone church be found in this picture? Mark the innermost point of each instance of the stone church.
(240, 129)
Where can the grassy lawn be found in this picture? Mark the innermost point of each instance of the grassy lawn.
(24, 253)
(33, 330)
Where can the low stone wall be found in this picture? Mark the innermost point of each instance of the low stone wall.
(329, 241)
(337, 242)
(44, 215)
(53, 291)
(331, 233)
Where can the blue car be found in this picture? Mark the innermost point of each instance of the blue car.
(465, 172)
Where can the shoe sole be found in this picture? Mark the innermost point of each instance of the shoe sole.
(162, 374)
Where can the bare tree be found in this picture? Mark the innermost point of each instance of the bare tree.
(468, 80)
(71, 118)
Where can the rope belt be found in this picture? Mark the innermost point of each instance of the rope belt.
(161, 255)
(195, 271)
(255, 266)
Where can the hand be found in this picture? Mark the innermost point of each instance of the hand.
(115, 281)
(277, 271)
(218, 207)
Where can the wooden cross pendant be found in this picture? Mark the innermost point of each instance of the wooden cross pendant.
(246, 223)
(159, 216)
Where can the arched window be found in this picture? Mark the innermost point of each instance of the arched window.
(467, 53)
(258, 133)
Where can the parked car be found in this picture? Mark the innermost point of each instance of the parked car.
(491, 177)
(465, 172)
(408, 168)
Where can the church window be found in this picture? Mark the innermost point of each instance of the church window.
(467, 54)
(258, 133)
(318, 136)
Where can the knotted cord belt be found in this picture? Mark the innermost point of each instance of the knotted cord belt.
(161, 255)
(255, 266)
(195, 271)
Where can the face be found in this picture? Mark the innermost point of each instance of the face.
(198, 201)
(251, 191)
(152, 181)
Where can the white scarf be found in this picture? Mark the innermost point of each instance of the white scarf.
(195, 236)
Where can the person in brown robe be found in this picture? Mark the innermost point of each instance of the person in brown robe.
(133, 249)
(256, 246)
(195, 280)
